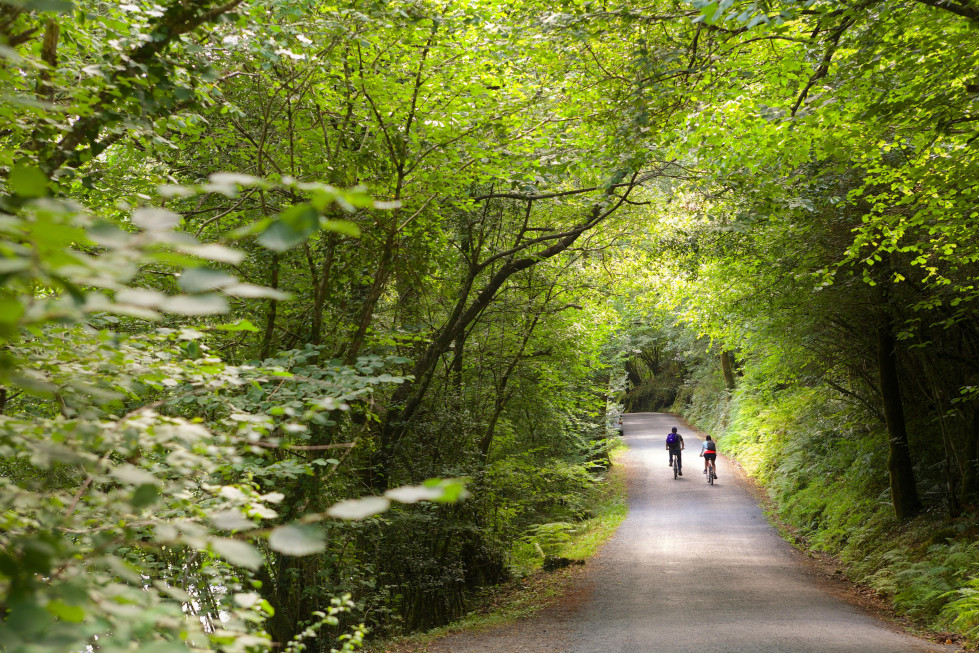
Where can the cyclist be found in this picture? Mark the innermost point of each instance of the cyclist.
(674, 444)
(708, 451)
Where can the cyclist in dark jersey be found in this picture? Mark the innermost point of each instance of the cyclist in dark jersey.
(709, 452)
(674, 444)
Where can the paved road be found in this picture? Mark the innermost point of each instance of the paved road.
(698, 568)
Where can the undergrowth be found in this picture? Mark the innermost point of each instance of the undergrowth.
(575, 540)
(532, 588)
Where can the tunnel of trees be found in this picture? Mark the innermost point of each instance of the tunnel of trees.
(318, 317)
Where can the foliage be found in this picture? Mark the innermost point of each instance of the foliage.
(124, 515)
(261, 259)
(179, 162)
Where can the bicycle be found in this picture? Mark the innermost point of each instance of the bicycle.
(710, 472)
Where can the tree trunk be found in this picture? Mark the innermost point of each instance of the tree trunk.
(727, 366)
(904, 493)
(970, 461)
(49, 54)
(270, 315)
(367, 310)
(319, 298)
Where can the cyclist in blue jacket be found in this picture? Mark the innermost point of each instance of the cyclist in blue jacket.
(674, 444)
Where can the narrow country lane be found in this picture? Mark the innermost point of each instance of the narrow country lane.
(698, 568)
(693, 568)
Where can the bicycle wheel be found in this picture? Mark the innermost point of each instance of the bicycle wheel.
(676, 467)
(710, 473)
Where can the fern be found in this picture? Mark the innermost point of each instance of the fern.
(963, 610)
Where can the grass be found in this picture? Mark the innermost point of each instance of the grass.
(610, 510)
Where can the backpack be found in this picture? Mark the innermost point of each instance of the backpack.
(672, 439)
(711, 446)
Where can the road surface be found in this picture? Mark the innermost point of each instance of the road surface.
(696, 567)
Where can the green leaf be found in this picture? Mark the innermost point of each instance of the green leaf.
(252, 291)
(453, 489)
(27, 181)
(11, 311)
(231, 520)
(358, 508)
(250, 229)
(28, 619)
(145, 495)
(213, 252)
(279, 237)
(65, 612)
(238, 553)
(297, 540)
(37, 556)
(291, 228)
(200, 279)
(240, 325)
(57, 6)
(195, 305)
(707, 12)
(156, 219)
(343, 227)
